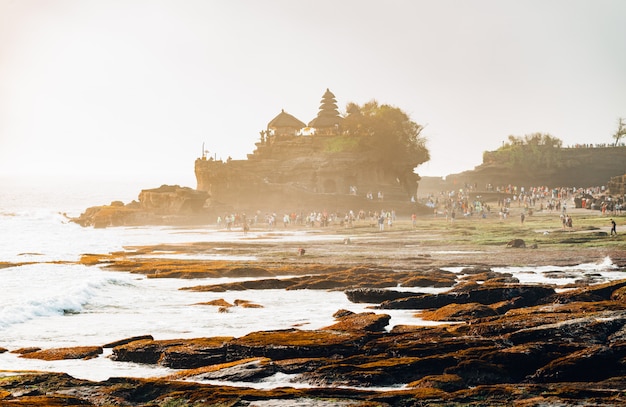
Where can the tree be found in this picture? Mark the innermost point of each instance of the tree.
(387, 133)
(537, 151)
(621, 131)
(389, 138)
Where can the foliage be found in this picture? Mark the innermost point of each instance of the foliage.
(341, 143)
(389, 138)
(531, 153)
(386, 132)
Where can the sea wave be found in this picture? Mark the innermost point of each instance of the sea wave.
(45, 298)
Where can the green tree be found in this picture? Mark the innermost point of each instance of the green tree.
(386, 133)
(533, 152)
(389, 138)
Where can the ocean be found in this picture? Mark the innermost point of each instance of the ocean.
(49, 301)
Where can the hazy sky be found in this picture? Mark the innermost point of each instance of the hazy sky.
(136, 87)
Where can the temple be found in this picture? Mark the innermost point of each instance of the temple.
(294, 166)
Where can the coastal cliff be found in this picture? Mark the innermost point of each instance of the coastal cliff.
(584, 166)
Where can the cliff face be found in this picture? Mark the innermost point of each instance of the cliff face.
(298, 172)
(569, 167)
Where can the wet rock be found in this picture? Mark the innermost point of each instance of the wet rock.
(459, 312)
(248, 371)
(217, 303)
(479, 372)
(591, 364)
(446, 382)
(247, 304)
(78, 352)
(375, 295)
(294, 343)
(342, 313)
(175, 353)
(127, 340)
(587, 329)
(368, 321)
(23, 351)
(524, 295)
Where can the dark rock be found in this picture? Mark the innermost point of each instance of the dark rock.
(293, 343)
(593, 329)
(361, 322)
(342, 313)
(375, 295)
(446, 382)
(127, 340)
(78, 352)
(479, 372)
(251, 371)
(179, 353)
(516, 243)
(524, 295)
(591, 364)
(459, 312)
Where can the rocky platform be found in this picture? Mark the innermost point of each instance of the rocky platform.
(498, 342)
(502, 342)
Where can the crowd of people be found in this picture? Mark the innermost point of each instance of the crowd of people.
(465, 202)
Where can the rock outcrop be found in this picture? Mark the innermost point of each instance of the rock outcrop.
(542, 352)
(168, 204)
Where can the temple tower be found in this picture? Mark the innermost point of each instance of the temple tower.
(328, 120)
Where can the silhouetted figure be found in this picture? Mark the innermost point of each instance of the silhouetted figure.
(613, 228)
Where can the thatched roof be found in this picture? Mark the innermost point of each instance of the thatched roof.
(284, 119)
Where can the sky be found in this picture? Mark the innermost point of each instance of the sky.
(137, 89)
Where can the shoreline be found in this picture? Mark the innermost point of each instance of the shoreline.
(455, 361)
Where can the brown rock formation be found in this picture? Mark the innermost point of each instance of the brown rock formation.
(166, 204)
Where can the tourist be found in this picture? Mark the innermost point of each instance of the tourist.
(613, 228)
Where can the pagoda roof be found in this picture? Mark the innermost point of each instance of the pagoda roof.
(328, 116)
(284, 119)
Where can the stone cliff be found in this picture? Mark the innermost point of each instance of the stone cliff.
(570, 167)
(297, 174)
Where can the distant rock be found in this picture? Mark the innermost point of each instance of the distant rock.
(168, 204)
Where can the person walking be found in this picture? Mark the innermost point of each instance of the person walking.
(613, 228)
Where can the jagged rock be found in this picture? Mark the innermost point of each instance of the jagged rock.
(249, 371)
(592, 364)
(181, 353)
(375, 295)
(586, 329)
(155, 206)
(445, 382)
(127, 340)
(524, 295)
(293, 343)
(172, 200)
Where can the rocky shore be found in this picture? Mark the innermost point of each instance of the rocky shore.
(497, 341)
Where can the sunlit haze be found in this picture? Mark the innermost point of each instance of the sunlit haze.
(136, 88)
